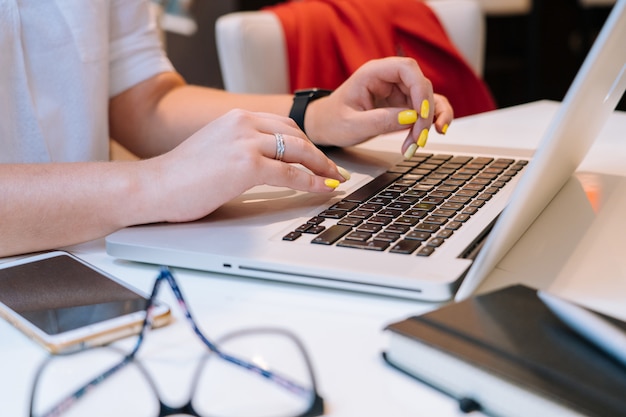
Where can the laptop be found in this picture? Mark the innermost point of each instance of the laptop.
(430, 228)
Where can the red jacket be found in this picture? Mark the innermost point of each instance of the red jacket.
(327, 40)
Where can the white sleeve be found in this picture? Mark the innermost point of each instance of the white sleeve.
(136, 53)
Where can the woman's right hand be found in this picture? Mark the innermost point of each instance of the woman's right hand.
(231, 155)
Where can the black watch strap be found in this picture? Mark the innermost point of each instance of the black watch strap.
(301, 100)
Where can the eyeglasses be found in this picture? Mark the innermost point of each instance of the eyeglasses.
(250, 373)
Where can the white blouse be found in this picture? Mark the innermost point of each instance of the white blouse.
(60, 62)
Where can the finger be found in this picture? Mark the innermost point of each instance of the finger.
(421, 98)
(288, 149)
(271, 123)
(444, 114)
(373, 122)
(286, 175)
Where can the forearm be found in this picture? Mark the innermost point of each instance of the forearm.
(155, 116)
(43, 206)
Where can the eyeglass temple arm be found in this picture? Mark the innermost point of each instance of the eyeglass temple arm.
(166, 274)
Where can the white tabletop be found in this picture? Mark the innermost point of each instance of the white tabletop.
(343, 331)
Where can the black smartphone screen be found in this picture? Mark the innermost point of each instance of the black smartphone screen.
(59, 294)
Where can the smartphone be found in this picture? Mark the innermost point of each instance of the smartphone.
(66, 304)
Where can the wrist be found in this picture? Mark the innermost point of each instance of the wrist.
(300, 106)
(317, 124)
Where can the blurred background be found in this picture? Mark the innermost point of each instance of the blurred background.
(533, 48)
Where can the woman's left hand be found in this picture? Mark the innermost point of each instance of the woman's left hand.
(382, 96)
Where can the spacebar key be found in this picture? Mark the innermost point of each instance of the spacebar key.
(371, 188)
(331, 235)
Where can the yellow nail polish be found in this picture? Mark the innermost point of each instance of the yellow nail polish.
(407, 117)
(425, 110)
(421, 141)
(331, 183)
(408, 154)
(444, 129)
(344, 173)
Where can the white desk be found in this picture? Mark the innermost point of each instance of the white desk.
(343, 331)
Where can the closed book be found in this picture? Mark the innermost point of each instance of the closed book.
(507, 354)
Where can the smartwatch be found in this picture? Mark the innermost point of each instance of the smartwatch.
(301, 100)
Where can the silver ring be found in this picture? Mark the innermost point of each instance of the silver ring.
(280, 146)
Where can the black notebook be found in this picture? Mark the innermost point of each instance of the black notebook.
(507, 354)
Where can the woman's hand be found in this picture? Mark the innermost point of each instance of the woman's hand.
(233, 154)
(375, 100)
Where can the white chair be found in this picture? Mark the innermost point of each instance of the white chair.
(251, 45)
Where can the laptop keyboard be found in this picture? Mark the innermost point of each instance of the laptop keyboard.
(414, 206)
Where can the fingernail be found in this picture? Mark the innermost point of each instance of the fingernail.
(425, 110)
(444, 129)
(407, 117)
(421, 141)
(344, 172)
(408, 154)
(331, 183)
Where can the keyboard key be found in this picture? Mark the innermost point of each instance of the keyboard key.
(380, 220)
(405, 246)
(398, 228)
(452, 206)
(371, 207)
(350, 221)
(440, 194)
(466, 193)
(454, 225)
(415, 235)
(387, 236)
(356, 235)
(425, 251)
(406, 220)
(377, 245)
(370, 227)
(415, 193)
(477, 203)
(331, 235)
(344, 205)
(426, 205)
(399, 206)
(388, 213)
(333, 214)
(435, 242)
(432, 200)
(459, 199)
(484, 160)
(460, 159)
(445, 233)
(436, 220)
(361, 214)
(389, 194)
(291, 236)
(407, 199)
(418, 213)
(303, 227)
(462, 218)
(444, 213)
(470, 210)
(379, 183)
(315, 230)
(427, 227)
